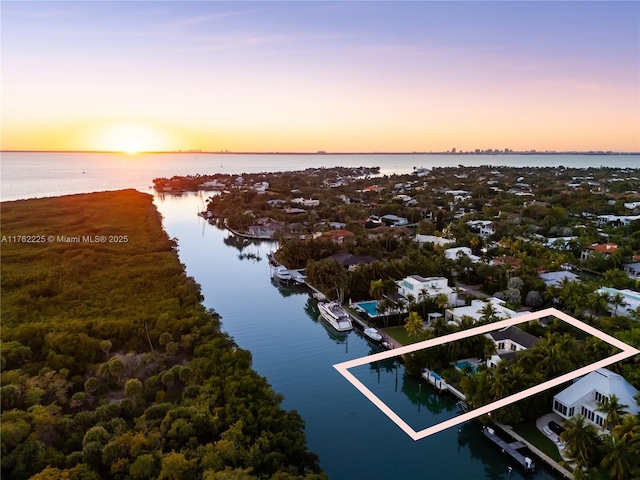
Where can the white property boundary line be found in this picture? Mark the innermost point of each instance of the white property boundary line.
(626, 352)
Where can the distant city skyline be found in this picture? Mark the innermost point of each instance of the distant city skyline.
(321, 76)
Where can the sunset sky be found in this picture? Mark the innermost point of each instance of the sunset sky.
(309, 76)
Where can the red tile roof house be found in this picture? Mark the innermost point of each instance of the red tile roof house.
(338, 236)
(604, 248)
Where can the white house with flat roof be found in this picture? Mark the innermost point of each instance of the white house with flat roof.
(455, 253)
(583, 396)
(430, 287)
(631, 300)
(475, 310)
(483, 227)
(306, 202)
(440, 241)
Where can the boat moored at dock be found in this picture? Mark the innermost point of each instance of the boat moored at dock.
(335, 315)
(282, 274)
(373, 334)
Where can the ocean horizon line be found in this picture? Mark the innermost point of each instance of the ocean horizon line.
(321, 152)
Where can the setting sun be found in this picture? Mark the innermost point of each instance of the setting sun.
(129, 138)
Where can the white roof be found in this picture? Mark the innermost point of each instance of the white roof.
(554, 278)
(604, 381)
(631, 297)
(433, 239)
(452, 253)
(473, 310)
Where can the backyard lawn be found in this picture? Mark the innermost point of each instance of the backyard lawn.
(400, 334)
(530, 432)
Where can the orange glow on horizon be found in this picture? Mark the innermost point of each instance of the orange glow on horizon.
(126, 137)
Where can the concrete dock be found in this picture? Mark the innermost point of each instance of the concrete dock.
(510, 449)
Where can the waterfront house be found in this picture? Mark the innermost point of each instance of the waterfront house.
(265, 228)
(508, 341)
(583, 396)
(350, 261)
(213, 185)
(421, 288)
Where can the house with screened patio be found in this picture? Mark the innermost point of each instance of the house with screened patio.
(583, 396)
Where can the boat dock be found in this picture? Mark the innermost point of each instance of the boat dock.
(511, 449)
(537, 452)
(441, 385)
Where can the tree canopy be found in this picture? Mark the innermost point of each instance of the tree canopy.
(112, 368)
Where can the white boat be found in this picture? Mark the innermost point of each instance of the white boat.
(335, 315)
(282, 273)
(373, 334)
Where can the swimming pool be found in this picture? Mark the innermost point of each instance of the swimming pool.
(464, 364)
(368, 307)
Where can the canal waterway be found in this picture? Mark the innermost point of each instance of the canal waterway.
(296, 352)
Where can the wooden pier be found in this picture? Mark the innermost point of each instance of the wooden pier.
(511, 449)
(537, 452)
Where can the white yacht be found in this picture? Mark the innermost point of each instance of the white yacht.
(282, 273)
(335, 315)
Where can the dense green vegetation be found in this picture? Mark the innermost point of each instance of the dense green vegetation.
(111, 367)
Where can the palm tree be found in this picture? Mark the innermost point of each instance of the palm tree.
(581, 438)
(400, 306)
(442, 300)
(621, 458)
(488, 313)
(629, 429)
(554, 353)
(474, 242)
(383, 307)
(613, 409)
(597, 302)
(414, 325)
(617, 300)
(500, 382)
(440, 327)
(411, 300)
(635, 315)
(376, 289)
(424, 294)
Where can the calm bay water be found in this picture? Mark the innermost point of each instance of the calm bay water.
(280, 327)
